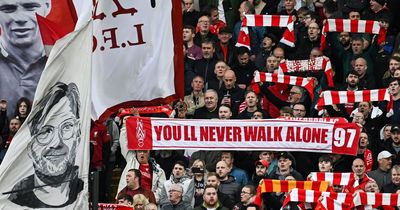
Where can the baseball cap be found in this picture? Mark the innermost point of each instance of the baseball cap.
(384, 154)
(285, 155)
(225, 30)
(262, 162)
(395, 128)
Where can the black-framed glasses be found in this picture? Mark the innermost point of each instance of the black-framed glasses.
(65, 131)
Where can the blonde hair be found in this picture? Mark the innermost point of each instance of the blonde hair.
(140, 197)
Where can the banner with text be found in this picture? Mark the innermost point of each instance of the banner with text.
(273, 134)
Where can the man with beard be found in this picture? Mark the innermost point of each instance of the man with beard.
(261, 172)
(211, 200)
(14, 126)
(230, 93)
(244, 68)
(55, 127)
(133, 186)
(393, 144)
(224, 112)
(205, 67)
(153, 176)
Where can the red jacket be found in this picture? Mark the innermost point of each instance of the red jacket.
(99, 136)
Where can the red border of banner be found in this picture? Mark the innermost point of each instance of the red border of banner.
(176, 15)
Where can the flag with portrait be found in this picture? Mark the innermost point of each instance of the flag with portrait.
(46, 165)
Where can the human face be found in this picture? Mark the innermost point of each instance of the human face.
(124, 202)
(365, 108)
(267, 43)
(243, 59)
(224, 37)
(357, 46)
(18, 22)
(251, 99)
(143, 156)
(353, 15)
(175, 194)
(360, 65)
(188, 4)
(130, 180)
(229, 79)
(386, 132)
(210, 100)
(299, 110)
(53, 147)
(279, 53)
(178, 171)
(214, 16)
(272, 64)
(363, 140)
(213, 181)
(208, 50)
(222, 169)
(23, 108)
(393, 65)
(188, 35)
(220, 69)
(197, 84)
(289, 4)
(295, 95)
(224, 113)
(358, 167)
(268, 156)
(385, 164)
(395, 176)
(358, 118)
(204, 24)
(245, 195)
(227, 158)
(15, 124)
(375, 6)
(308, 20)
(324, 166)
(284, 164)
(210, 197)
(394, 88)
(257, 116)
(313, 31)
(371, 187)
(315, 53)
(352, 80)
(261, 170)
(344, 38)
(395, 137)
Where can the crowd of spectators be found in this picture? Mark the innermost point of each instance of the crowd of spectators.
(217, 85)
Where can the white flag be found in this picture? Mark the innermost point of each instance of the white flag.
(47, 164)
(134, 52)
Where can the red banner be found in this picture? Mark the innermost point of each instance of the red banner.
(326, 136)
(111, 206)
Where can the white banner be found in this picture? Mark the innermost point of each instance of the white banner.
(133, 58)
(47, 164)
(273, 134)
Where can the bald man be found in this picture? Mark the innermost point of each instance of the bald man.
(230, 93)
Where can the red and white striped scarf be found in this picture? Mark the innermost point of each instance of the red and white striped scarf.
(334, 178)
(328, 203)
(353, 26)
(315, 64)
(376, 199)
(341, 97)
(267, 20)
(307, 83)
(312, 196)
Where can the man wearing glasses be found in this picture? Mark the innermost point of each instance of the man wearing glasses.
(55, 128)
